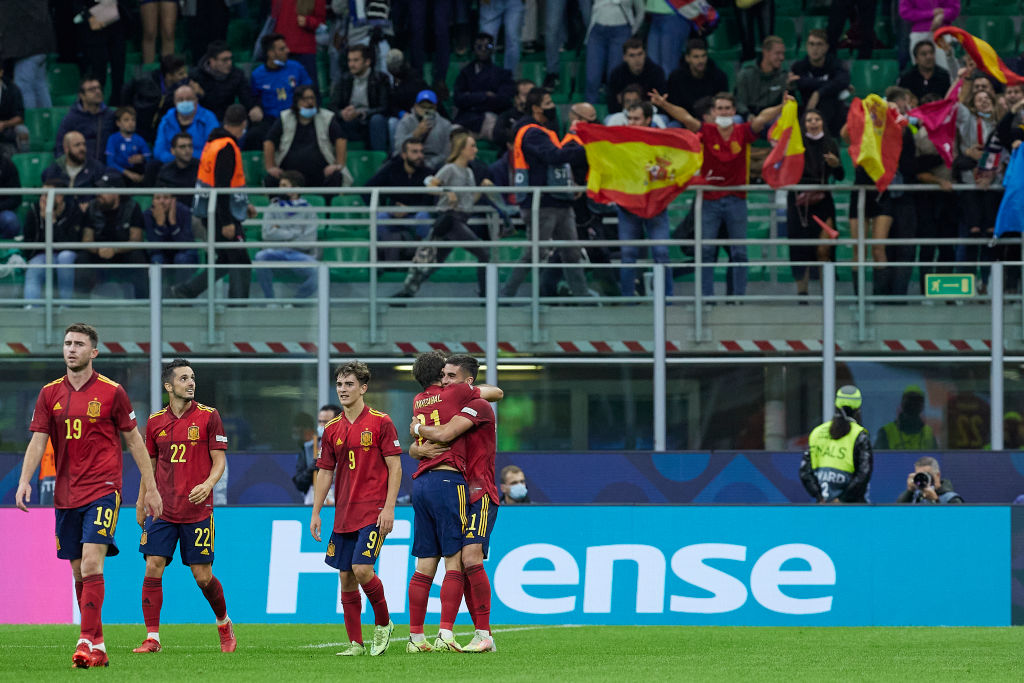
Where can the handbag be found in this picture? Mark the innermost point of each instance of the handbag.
(105, 12)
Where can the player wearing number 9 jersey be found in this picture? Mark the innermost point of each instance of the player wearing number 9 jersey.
(187, 443)
(361, 449)
(84, 415)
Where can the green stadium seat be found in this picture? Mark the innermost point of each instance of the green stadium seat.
(63, 79)
(241, 35)
(992, 7)
(996, 31)
(364, 164)
(787, 29)
(30, 167)
(252, 165)
(873, 76)
(42, 126)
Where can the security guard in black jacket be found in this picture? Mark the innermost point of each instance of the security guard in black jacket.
(836, 467)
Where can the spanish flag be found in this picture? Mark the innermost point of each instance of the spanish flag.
(640, 169)
(876, 138)
(785, 163)
(983, 55)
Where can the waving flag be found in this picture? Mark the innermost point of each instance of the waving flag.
(700, 13)
(939, 121)
(1011, 209)
(640, 169)
(982, 54)
(876, 138)
(785, 163)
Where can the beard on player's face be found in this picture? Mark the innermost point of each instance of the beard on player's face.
(79, 363)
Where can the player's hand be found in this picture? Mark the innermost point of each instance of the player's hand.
(314, 526)
(200, 493)
(386, 520)
(23, 496)
(432, 449)
(154, 503)
(412, 427)
(140, 512)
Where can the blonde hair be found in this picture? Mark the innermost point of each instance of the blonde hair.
(459, 141)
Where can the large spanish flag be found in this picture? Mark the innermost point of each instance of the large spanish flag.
(785, 163)
(640, 169)
(876, 138)
(983, 55)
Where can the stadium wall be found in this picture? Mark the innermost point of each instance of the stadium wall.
(699, 565)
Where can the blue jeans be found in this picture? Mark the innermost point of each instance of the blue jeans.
(667, 40)
(733, 212)
(631, 227)
(9, 225)
(604, 53)
(389, 232)
(374, 131)
(509, 12)
(30, 77)
(265, 275)
(34, 277)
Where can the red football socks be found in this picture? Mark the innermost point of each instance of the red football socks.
(479, 586)
(419, 594)
(152, 601)
(451, 597)
(374, 590)
(214, 594)
(92, 608)
(352, 605)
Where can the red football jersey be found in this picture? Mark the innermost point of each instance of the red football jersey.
(181, 446)
(481, 446)
(84, 427)
(356, 452)
(438, 406)
(726, 162)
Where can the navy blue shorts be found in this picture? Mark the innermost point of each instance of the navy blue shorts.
(482, 516)
(196, 540)
(439, 501)
(91, 523)
(354, 547)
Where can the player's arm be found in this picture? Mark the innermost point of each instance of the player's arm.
(147, 489)
(386, 518)
(321, 485)
(445, 433)
(33, 456)
(490, 393)
(427, 450)
(202, 491)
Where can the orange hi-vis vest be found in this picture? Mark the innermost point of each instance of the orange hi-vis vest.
(206, 178)
(557, 174)
(47, 466)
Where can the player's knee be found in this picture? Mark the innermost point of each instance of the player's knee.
(348, 580)
(155, 566)
(203, 574)
(453, 563)
(472, 555)
(363, 573)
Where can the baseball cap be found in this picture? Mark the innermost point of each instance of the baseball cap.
(848, 396)
(426, 96)
(110, 180)
(913, 389)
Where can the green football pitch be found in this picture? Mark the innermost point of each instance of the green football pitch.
(537, 653)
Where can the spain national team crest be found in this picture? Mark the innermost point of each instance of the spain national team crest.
(366, 439)
(193, 433)
(94, 409)
(57, 538)
(330, 549)
(145, 537)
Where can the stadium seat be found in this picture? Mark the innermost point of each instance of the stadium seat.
(787, 29)
(873, 76)
(364, 164)
(252, 164)
(42, 126)
(996, 31)
(30, 167)
(63, 79)
(241, 36)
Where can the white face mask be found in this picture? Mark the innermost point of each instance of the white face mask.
(816, 136)
(319, 430)
(723, 121)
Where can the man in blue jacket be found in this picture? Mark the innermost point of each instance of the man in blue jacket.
(273, 84)
(186, 117)
(90, 117)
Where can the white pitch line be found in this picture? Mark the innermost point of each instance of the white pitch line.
(464, 633)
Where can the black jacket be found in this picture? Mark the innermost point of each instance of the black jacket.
(475, 80)
(684, 89)
(152, 98)
(828, 80)
(540, 153)
(377, 92)
(9, 178)
(67, 227)
(945, 486)
(392, 174)
(913, 81)
(857, 488)
(651, 77)
(220, 92)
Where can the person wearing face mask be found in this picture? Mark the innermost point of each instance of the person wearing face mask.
(426, 125)
(908, 432)
(152, 94)
(482, 90)
(308, 139)
(186, 117)
(305, 465)
(272, 85)
(513, 486)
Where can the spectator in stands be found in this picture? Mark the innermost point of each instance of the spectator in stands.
(697, 77)
(493, 15)
(152, 93)
(180, 171)
(507, 119)
(633, 94)
(908, 432)
(726, 163)
(925, 485)
(925, 76)
(937, 213)
(272, 86)
(669, 33)
(408, 169)
(369, 25)
(102, 41)
(13, 132)
(298, 22)
(635, 68)
(90, 117)
(27, 31)
(821, 165)
(482, 90)
(822, 80)
(513, 486)
(305, 466)
(979, 162)
(167, 220)
(864, 27)
(113, 218)
(763, 83)
(612, 22)
(127, 152)
(307, 139)
(926, 17)
(429, 127)
(283, 224)
(441, 13)
(186, 117)
(219, 83)
(157, 16)
(74, 166)
(10, 228)
(68, 222)
(406, 84)
(360, 98)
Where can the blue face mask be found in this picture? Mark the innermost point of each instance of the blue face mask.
(517, 491)
(307, 112)
(186, 107)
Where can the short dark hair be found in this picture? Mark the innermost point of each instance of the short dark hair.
(364, 50)
(121, 111)
(895, 92)
(467, 363)
(86, 329)
(921, 43)
(632, 44)
(87, 78)
(215, 48)
(267, 42)
(633, 87)
(702, 106)
(482, 35)
(171, 63)
(428, 367)
(181, 136)
(336, 409)
(525, 81)
(354, 367)
(410, 141)
(723, 96)
(647, 107)
(696, 44)
(167, 375)
(819, 33)
(535, 97)
(235, 115)
(294, 177)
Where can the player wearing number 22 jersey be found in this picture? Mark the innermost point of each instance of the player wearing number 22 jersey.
(187, 443)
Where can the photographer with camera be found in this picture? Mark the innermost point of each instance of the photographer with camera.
(836, 467)
(926, 485)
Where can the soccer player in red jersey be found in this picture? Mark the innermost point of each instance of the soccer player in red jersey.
(360, 448)
(84, 414)
(474, 425)
(187, 444)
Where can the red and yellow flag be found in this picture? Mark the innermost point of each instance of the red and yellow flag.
(983, 55)
(876, 138)
(785, 163)
(640, 169)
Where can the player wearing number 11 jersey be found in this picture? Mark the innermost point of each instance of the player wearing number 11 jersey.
(188, 446)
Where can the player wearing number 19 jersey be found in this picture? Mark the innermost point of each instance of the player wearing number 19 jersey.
(187, 443)
(84, 415)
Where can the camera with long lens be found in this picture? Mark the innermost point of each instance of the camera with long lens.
(922, 480)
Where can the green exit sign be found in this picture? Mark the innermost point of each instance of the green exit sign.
(949, 284)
